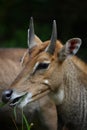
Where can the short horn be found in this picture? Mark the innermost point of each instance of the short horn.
(51, 47)
(31, 35)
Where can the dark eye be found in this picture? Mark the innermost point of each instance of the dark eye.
(42, 66)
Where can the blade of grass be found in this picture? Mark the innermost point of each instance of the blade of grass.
(15, 114)
(26, 122)
(22, 120)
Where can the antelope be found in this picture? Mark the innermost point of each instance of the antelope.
(54, 71)
(10, 67)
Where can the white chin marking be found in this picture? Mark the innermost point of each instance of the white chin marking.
(26, 100)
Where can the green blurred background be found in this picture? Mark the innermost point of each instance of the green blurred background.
(71, 17)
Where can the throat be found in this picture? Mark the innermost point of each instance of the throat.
(58, 97)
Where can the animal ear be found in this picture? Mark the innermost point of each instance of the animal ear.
(70, 48)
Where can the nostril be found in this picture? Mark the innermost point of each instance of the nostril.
(6, 95)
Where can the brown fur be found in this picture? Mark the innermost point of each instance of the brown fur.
(36, 51)
(68, 76)
(9, 69)
(9, 65)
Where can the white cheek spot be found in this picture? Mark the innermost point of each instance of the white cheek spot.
(26, 100)
(46, 81)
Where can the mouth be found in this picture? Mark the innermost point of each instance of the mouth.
(16, 100)
(24, 99)
(31, 98)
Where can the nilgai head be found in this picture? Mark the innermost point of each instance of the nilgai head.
(43, 73)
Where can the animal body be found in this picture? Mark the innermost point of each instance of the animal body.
(58, 73)
(42, 113)
(9, 68)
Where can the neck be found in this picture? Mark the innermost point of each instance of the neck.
(74, 78)
(80, 64)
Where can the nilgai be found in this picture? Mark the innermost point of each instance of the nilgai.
(58, 73)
